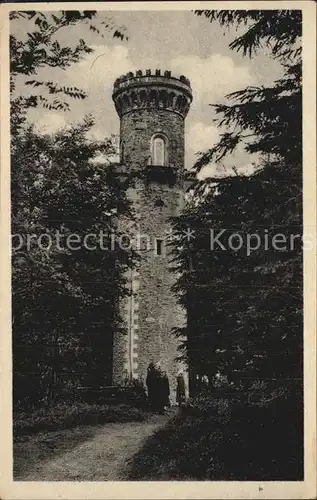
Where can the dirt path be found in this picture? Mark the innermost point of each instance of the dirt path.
(101, 457)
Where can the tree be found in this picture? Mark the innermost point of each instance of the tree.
(245, 311)
(65, 303)
(66, 289)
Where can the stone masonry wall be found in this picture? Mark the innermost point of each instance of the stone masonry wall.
(159, 311)
(139, 126)
(153, 312)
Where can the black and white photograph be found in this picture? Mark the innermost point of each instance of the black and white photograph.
(161, 253)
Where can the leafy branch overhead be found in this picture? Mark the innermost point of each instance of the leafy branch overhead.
(41, 48)
(54, 88)
(278, 30)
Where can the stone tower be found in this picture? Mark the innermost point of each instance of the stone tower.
(152, 110)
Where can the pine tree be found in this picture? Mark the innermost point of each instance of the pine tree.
(245, 311)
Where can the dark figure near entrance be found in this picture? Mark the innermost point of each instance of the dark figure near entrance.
(160, 390)
(165, 390)
(180, 388)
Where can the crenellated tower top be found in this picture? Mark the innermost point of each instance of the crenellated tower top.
(141, 90)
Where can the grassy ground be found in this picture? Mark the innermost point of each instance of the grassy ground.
(85, 453)
(224, 440)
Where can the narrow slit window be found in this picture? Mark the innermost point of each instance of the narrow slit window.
(159, 246)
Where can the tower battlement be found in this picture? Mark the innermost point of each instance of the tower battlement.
(158, 90)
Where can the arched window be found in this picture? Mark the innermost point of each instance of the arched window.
(159, 150)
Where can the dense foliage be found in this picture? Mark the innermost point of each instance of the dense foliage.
(67, 266)
(220, 439)
(245, 307)
(68, 415)
(66, 288)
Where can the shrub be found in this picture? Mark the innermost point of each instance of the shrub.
(65, 416)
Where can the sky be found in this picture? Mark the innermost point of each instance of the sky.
(168, 40)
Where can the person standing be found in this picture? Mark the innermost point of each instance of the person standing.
(160, 390)
(180, 388)
(165, 390)
(204, 382)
